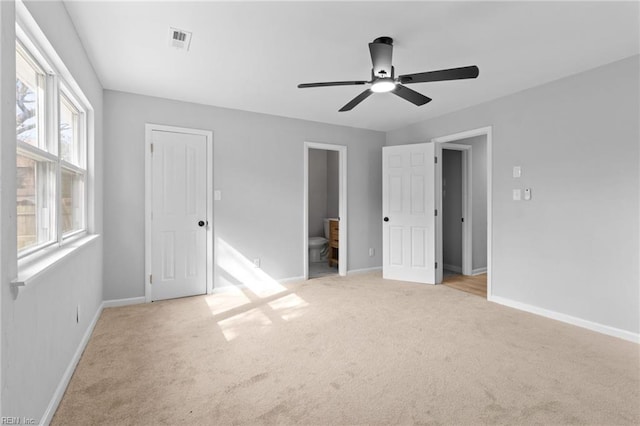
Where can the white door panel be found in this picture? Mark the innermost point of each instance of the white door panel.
(408, 198)
(179, 203)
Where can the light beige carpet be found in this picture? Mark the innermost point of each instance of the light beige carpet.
(357, 350)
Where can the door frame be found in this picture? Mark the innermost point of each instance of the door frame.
(482, 131)
(149, 128)
(467, 203)
(342, 205)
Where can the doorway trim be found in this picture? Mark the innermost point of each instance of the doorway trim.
(467, 203)
(342, 205)
(482, 131)
(149, 128)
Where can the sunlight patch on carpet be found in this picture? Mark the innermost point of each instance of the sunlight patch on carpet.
(253, 319)
(225, 301)
(289, 307)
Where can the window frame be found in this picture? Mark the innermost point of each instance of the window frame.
(55, 88)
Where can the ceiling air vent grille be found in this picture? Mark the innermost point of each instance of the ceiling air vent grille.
(180, 39)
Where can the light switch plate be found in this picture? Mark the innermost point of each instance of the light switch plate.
(517, 171)
(517, 195)
(217, 195)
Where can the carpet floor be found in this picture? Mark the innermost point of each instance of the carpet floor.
(354, 350)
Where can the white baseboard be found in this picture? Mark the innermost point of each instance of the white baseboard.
(364, 270)
(123, 302)
(66, 377)
(452, 268)
(590, 325)
(479, 271)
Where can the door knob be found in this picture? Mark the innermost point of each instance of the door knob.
(201, 223)
(386, 219)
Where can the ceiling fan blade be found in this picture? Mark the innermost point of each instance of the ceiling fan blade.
(411, 95)
(355, 101)
(441, 75)
(381, 51)
(332, 83)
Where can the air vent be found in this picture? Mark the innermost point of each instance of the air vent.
(180, 39)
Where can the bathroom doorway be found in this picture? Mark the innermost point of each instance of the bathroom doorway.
(325, 224)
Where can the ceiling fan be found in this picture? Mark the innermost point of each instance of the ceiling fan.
(383, 79)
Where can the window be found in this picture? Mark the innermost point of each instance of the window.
(51, 155)
(72, 160)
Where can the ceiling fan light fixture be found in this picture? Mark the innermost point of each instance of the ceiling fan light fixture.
(383, 85)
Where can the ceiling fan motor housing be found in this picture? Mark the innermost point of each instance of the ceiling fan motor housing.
(381, 50)
(383, 74)
(384, 40)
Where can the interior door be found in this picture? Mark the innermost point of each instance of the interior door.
(179, 212)
(408, 209)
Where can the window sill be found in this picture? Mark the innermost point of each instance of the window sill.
(32, 267)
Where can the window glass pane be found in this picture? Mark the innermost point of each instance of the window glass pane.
(34, 202)
(69, 132)
(72, 188)
(28, 102)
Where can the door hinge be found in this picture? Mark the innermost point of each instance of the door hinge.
(150, 278)
(436, 212)
(436, 265)
(436, 159)
(152, 149)
(463, 219)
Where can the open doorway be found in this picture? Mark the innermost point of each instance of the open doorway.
(464, 199)
(324, 210)
(455, 218)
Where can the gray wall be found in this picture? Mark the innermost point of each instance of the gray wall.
(479, 199)
(317, 191)
(8, 244)
(39, 330)
(452, 209)
(259, 169)
(574, 247)
(333, 180)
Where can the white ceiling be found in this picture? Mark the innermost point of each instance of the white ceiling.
(252, 55)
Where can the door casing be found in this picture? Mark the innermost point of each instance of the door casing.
(342, 205)
(149, 128)
(486, 131)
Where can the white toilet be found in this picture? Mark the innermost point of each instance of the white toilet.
(318, 245)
